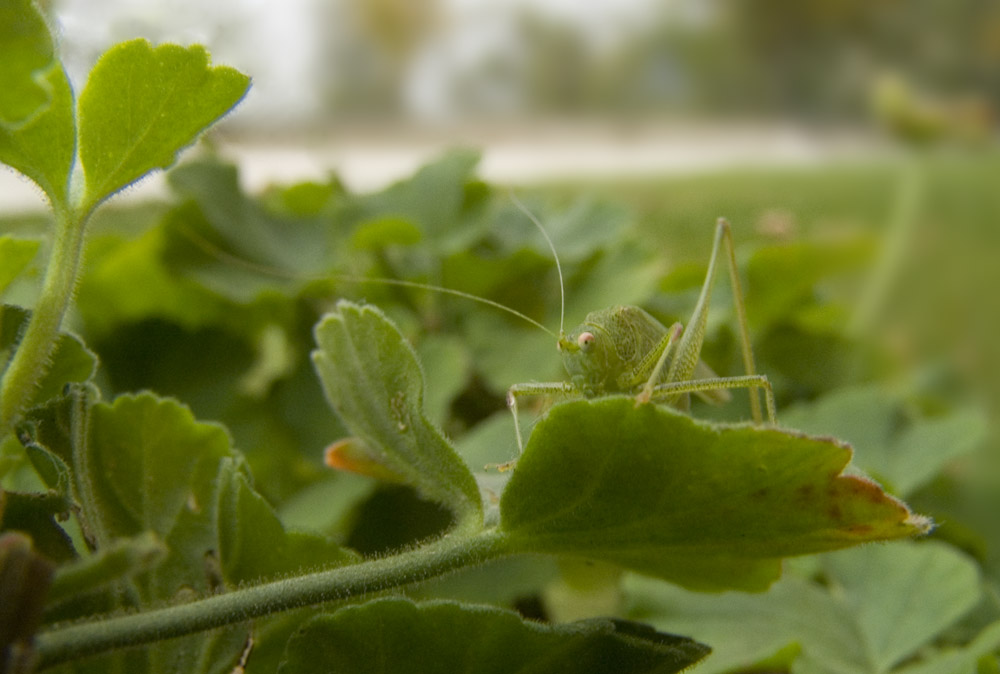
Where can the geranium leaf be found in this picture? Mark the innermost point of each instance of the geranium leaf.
(26, 51)
(142, 105)
(44, 147)
(373, 380)
(708, 507)
(71, 360)
(396, 635)
(879, 605)
(15, 255)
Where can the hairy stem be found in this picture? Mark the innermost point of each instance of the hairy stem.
(31, 359)
(448, 554)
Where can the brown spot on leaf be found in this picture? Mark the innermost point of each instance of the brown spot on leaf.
(862, 487)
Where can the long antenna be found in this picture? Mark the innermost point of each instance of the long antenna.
(211, 249)
(555, 256)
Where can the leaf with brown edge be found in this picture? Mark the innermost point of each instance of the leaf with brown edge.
(710, 507)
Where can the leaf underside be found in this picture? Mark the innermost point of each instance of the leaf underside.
(396, 635)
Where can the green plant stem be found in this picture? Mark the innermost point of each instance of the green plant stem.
(34, 351)
(448, 554)
(904, 220)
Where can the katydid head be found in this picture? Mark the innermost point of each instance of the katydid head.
(587, 352)
(609, 350)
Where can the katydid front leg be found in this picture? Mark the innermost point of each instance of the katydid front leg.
(537, 389)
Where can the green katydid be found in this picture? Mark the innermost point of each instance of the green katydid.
(621, 349)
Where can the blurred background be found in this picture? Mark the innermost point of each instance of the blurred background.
(377, 86)
(329, 66)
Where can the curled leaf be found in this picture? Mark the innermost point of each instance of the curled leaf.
(373, 380)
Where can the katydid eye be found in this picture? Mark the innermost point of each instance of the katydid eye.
(585, 340)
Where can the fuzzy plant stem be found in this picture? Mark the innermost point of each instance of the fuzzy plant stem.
(31, 360)
(448, 554)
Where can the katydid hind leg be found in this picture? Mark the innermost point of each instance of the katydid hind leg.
(746, 348)
(666, 348)
(669, 391)
(682, 368)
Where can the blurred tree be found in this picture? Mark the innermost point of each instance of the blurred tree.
(824, 55)
(818, 59)
(559, 70)
(372, 47)
(397, 27)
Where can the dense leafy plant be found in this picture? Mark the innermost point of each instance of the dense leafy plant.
(129, 522)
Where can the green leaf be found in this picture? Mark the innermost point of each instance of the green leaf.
(152, 467)
(396, 635)
(625, 274)
(865, 416)
(47, 435)
(253, 544)
(373, 380)
(743, 629)
(432, 199)
(504, 355)
(811, 362)
(781, 278)
(128, 282)
(328, 505)
(50, 467)
(901, 597)
(242, 227)
(919, 453)
(382, 232)
(15, 256)
(36, 514)
(71, 360)
(305, 198)
(981, 653)
(125, 557)
(583, 228)
(708, 507)
(142, 105)
(26, 51)
(446, 363)
(907, 453)
(149, 466)
(881, 605)
(44, 148)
